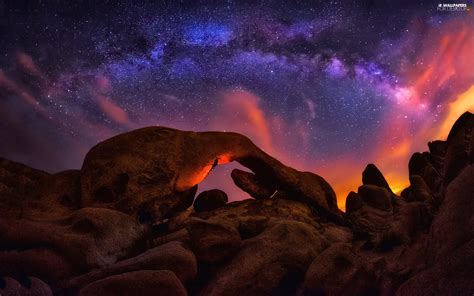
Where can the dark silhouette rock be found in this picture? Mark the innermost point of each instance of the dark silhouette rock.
(420, 165)
(372, 176)
(353, 202)
(459, 151)
(249, 183)
(145, 282)
(437, 154)
(210, 200)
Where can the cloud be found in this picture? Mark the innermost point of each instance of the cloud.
(239, 111)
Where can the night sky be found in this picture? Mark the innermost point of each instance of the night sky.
(326, 87)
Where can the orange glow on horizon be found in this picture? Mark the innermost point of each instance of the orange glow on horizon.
(464, 102)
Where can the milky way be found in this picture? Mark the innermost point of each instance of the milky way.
(323, 87)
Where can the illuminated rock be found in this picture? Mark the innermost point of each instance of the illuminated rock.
(155, 169)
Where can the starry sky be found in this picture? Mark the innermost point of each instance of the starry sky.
(323, 86)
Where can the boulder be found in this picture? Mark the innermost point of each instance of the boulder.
(437, 154)
(419, 190)
(369, 223)
(210, 200)
(29, 286)
(58, 195)
(144, 282)
(88, 238)
(271, 263)
(459, 152)
(450, 275)
(421, 165)
(41, 262)
(249, 183)
(454, 217)
(173, 256)
(212, 242)
(235, 212)
(377, 197)
(353, 202)
(18, 184)
(372, 176)
(155, 169)
(338, 270)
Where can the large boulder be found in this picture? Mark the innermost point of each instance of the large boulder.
(173, 256)
(212, 242)
(88, 238)
(450, 275)
(338, 270)
(454, 217)
(460, 147)
(156, 169)
(145, 282)
(271, 263)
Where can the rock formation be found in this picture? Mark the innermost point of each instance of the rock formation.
(125, 223)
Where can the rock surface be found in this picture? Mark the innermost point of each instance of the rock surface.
(210, 200)
(338, 270)
(146, 282)
(124, 224)
(155, 169)
(172, 256)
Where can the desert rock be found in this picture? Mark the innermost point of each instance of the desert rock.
(210, 200)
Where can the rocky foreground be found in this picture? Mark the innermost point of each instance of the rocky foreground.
(128, 223)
